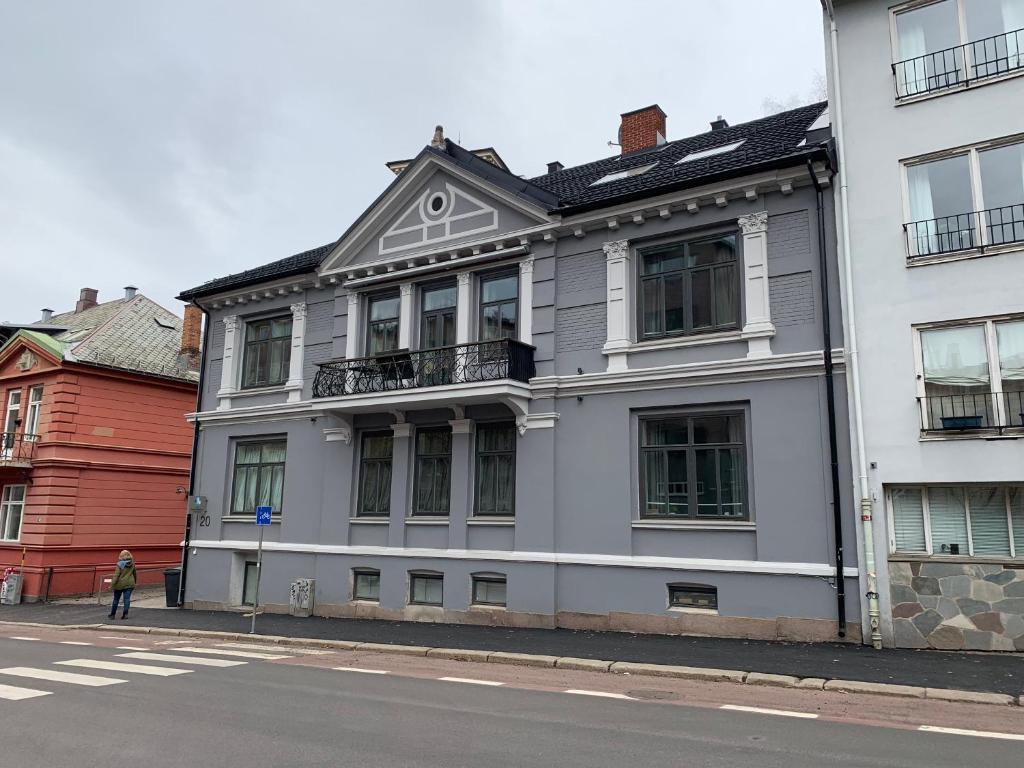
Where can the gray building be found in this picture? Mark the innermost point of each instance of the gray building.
(597, 398)
(928, 110)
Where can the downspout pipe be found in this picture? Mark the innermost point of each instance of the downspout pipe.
(195, 452)
(853, 360)
(830, 399)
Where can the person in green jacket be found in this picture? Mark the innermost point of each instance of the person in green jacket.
(124, 583)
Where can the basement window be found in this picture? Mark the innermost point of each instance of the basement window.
(700, 596)
(710, 152)
(623, 174)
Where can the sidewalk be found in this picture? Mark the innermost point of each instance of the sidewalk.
(988, 672)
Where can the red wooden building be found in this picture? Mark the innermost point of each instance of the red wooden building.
(95, 449)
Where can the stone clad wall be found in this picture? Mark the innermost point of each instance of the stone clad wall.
(953, 606)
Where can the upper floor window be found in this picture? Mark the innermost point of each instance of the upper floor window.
(689, 288)
(12, 510)
(12, 416)
(496, 468)
(973, 376)
(499, 307)
(35, 406)
(693, 466)
(375, 474)
(437, 318)
(952, 43)
(974, 199)
(258, 476)
(383, 315)
(970, 521)
(268, 348)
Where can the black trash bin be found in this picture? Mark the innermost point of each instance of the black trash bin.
(172, 583)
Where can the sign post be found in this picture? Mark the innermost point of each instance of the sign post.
(262, 521)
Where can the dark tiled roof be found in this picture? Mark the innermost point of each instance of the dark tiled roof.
(769, 142)
(765, 141)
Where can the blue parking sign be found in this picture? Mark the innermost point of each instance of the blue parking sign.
(263, 515)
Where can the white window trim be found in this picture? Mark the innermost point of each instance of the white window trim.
(5, 507)
(711, 152)
(234, 353)
(35, 409)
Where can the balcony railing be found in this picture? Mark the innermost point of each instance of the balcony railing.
(460, 364)
(994, 412)
(960, 66)
(17, 449)
(966, 231)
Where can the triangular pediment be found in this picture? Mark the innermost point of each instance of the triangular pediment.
(20, 356)
(434, 204)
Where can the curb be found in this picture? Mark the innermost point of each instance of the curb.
(706, 674)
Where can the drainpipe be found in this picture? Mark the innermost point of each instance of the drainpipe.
(871, 576)
(830, 398)
(195, 451)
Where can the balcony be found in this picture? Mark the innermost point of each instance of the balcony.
(482, 371)
(961, 66)
(972, 412)
(978, 230)
(16, 449)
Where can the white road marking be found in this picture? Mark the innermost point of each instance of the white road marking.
(183, 659)
(228, 652)
(273, 649)
(130, 648)
(117, 666)
(172, 642)
(29, 639)
(73, 642)
(360, 669)
(111, 637)
(602, 694)
(764, 711)
(14, 693)
(965, 732)
(469, 680)
(56, 676)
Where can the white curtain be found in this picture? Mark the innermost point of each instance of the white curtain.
(912, 76)
(923, 238)
(955, 356)
(1011, 350)
(1013, 21)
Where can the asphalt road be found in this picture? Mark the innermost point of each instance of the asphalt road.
(302, 711)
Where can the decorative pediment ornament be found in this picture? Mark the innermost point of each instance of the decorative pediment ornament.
(755, 222)
(438, 216)
(27, 360)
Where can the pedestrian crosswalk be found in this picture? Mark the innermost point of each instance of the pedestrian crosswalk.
(128, 662)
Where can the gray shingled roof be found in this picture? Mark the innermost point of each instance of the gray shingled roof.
(772, 141)
(134, 334)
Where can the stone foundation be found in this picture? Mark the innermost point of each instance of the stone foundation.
(957, 605)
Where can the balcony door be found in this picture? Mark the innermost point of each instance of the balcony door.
(12, 417)
(437, 361)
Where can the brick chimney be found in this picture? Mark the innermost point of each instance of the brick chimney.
(86, 299)
(642, 129)
(191, 332)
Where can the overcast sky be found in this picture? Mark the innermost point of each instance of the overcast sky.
(165, 144)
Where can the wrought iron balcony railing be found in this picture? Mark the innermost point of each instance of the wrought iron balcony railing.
(960, 66)
(973, 411)
(402, 369)
(966, 231)
(17, 449)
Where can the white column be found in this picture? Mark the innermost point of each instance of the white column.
(526, 301)
(758, 328)
(229, 365)
(464, 308)
(353, 328)
(294, 383)
(405, 317)
(619, 272)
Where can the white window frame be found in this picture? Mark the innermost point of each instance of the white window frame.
(5, 509)
(926, 512)
(617, 175)
(703, 153)
(995, 372)
(35, 407)
(12, 407)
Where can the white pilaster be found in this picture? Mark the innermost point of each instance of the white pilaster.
(758, 328)
(405, 317)
(353, 328)
(619, 272)
(464, 308)
(294, 383)
(526, 301)
(229, 363)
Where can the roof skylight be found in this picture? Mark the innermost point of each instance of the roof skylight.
(623, 174)
(710, 152)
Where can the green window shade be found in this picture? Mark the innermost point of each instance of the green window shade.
(948, 516)
(989, 531)
(908, 520)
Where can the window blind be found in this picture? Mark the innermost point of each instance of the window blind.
(908, 520)
(948, 517)
(988, 522)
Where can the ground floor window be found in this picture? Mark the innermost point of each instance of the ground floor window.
(258, 476)
(489, 589)
(433, 471)
(366, 584)
(375, 474)
(426, 589)
(12, 510)
(965, 521)
(693, 596)
(496, 469)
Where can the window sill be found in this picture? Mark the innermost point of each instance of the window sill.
(901, 557)
(942, 436)
(259, 391)
(679, 342)
(699, 611)
(967, 253)
(364, 601)
(369, 520)
(274, 519)
(694, 525)
(424, 520)
(969, 86)
(491, 521)
(485, 608)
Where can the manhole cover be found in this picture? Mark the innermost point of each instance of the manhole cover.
(653, 694)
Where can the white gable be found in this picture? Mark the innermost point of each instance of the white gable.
(436, 217)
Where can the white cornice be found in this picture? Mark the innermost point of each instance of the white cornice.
(251, 296)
